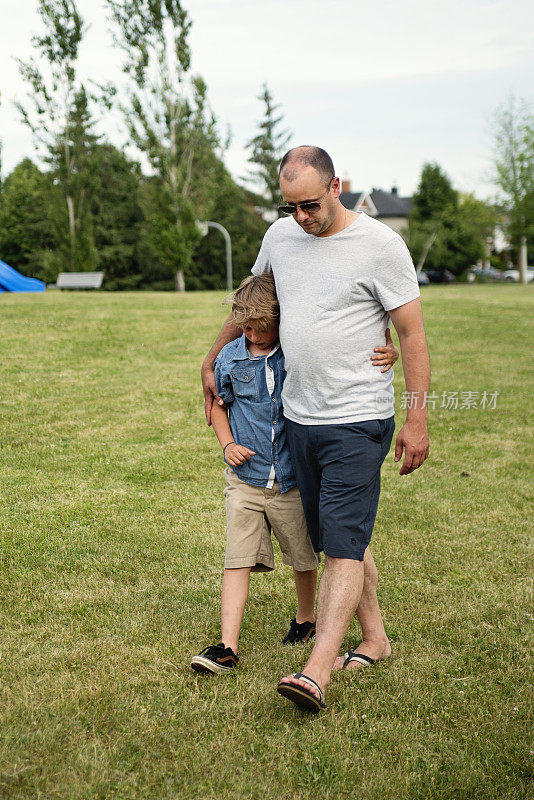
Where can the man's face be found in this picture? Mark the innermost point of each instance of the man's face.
(309, 186)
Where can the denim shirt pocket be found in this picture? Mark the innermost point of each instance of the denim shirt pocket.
(244, 383)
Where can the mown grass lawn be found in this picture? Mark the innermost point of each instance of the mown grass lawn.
(112, 541)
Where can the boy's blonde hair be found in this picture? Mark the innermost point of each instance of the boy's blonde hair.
(255, 302)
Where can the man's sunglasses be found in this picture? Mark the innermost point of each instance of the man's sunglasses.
(308, 207)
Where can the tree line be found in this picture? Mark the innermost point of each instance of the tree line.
(88, 206)
(448, 230)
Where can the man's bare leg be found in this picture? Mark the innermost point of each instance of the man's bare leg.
(339, 595)
(375, 643)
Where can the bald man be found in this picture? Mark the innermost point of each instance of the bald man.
(340, 276)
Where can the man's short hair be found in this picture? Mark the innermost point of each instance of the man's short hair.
(255, 302)
(309, 156)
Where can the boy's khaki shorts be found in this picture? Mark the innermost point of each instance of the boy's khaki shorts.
(251, 513)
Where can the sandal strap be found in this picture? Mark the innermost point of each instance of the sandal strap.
(351, 655)
(302, 677)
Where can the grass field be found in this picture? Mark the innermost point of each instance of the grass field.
(112, 541)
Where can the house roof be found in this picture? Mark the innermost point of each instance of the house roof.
(387, 204)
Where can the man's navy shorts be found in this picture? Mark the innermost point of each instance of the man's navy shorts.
(337, 468)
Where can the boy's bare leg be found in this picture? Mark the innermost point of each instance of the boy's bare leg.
(375, 642)
(339, 595)
(233, 599)
(306, 586)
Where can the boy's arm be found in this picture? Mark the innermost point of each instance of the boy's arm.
(234, 454)
(229, 332)
(386, 356)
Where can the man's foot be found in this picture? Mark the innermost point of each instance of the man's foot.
(295, 679)
(303, 691)
(216, 659)
(299, 632)
(375, 651)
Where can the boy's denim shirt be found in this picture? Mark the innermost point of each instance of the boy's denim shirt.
(256, 417)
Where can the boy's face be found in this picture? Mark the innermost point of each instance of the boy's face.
(261, 339)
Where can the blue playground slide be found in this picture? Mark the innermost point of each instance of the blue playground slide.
(13, 281)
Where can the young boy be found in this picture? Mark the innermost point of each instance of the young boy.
(260, 492)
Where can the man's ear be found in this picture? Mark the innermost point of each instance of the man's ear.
(336, 187)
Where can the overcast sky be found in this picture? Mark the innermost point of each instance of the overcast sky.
(383, 86)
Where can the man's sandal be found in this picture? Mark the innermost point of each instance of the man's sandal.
(351, 655)
(300, 695)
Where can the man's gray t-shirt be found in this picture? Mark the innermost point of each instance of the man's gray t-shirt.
(335, 293)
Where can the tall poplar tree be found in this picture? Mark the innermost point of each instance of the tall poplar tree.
(170, 122)
(56, 112)
(72, 166)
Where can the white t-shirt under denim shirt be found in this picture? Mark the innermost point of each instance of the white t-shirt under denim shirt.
(335, 293)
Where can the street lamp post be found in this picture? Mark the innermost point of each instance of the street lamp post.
(203, 226)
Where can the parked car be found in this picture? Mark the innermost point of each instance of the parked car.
(439, 276)
(422, 279)
(515, 276)
(483, 273)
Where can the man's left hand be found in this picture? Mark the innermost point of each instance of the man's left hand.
(413, 439)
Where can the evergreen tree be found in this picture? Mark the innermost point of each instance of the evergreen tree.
(267, 149)
(116, 216)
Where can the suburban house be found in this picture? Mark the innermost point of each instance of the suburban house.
(389, 207)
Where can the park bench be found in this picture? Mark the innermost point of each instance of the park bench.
(78, 280)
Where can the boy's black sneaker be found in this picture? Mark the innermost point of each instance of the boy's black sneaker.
(299, 632)
(216, 659)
